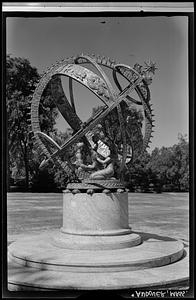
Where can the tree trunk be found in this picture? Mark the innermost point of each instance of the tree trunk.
(8, 172)
(26, 162)
(179, 185)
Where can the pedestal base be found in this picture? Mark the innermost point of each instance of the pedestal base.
(95, 249)
(126, 239)
(37, 263)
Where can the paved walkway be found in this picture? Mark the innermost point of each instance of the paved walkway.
(165, 214)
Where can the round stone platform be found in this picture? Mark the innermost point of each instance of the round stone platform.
(95, 249)
(39, 263)
(39, 252)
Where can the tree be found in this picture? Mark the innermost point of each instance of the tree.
(137, 176)
(179, 171)
(169, 166)
(20, 84)
(166, 168)
(184, 170)
(21, 79)
(158, 165)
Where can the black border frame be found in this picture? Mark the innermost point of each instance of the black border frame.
(96, 293)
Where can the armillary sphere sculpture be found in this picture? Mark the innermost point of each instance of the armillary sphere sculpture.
(96, 248)
(100, 148)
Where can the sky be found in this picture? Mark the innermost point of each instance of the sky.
(128, 40)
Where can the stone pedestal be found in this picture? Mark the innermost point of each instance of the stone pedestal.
(96, 214)
(95, 249)
(96, 221)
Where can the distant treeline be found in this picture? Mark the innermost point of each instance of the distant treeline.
(165, 169)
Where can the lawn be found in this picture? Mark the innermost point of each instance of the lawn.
(165, 214)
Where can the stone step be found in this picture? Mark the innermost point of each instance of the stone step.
(42, 252)
(27, 278)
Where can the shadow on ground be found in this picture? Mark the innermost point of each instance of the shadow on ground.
(147, 236)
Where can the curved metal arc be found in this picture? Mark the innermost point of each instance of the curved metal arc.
(114, 75)
(122, 127)
(146, 107)
(66, 109)
(120, 88)
(71, 94)
(104, 76)
(48, 138)
(35, 106)
(89, 74)
(148, 120)
(127, 67)
(74, 122)
(116, 80)
(63, 103)
(64, 106)
(123, 134)
(122, 94)
(39, 90)
(94, 122)
(143, 103)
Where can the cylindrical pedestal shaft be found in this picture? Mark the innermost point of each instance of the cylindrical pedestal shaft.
(97, 214)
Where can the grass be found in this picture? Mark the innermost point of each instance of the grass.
(165, 214)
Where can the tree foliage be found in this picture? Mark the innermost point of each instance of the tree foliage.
(138, 175)
(170, 166)
(21, 80)
(20, 84)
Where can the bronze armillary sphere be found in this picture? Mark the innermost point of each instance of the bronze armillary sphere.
(101, 147)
